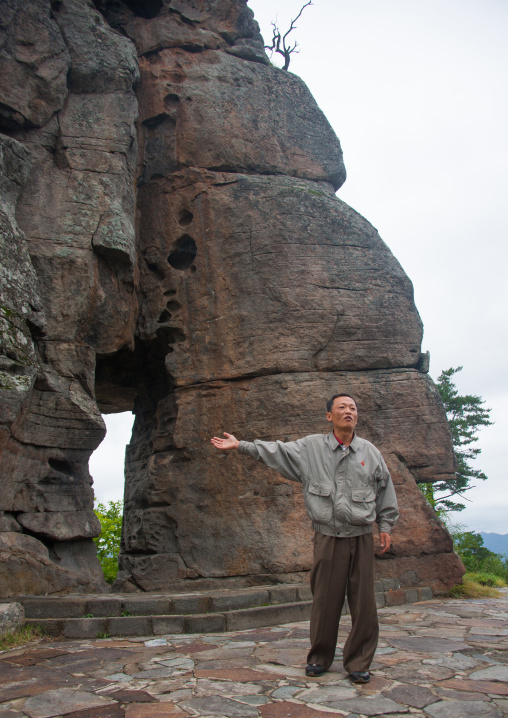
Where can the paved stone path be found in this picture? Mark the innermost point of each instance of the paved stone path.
(441, 659)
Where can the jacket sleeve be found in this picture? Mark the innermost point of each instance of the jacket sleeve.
(286, 458)
(387, 510)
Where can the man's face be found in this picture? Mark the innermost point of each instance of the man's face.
(344, 414)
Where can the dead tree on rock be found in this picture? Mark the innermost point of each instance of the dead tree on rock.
(279, 41)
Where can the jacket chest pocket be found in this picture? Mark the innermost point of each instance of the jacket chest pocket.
(319, 504)
(363, 507)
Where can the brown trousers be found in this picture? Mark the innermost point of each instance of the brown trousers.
(343, 565)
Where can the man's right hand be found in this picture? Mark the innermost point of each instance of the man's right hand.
(230, 442)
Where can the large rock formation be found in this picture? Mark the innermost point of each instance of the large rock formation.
(68, 289)
(210, 281)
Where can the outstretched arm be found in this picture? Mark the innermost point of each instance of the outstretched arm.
(283, 457)
(230, 442)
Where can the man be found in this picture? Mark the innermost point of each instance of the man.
(346, 487)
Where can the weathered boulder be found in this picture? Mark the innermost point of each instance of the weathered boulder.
(265, 294)
(34, 62)
(27, 569)
(271, 120)
(61, 525)
(264, 532)
(79, 216)
(192, 264)
(193, 26)
(12, 616)
(19, 297)
(8, 522)
(101, 61)
(244, 293)
(68, 257)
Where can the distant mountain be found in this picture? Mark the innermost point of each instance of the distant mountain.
(495, 542)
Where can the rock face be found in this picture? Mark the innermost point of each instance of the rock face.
(68, 277)
(190, 261)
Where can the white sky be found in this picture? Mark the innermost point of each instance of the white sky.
(417, 93)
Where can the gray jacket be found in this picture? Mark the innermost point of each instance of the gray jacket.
(345, 491)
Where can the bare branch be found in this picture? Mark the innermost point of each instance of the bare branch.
(278, 39)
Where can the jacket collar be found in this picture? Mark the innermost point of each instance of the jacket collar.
(334, 444)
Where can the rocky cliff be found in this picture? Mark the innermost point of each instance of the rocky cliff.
(172, 245)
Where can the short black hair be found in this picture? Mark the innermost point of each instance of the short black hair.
(329, 403)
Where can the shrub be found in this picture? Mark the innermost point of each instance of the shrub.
(108, 543)
(488, 579)
(476, 557)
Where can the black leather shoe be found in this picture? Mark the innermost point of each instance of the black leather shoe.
(359, 677)
(314, 669)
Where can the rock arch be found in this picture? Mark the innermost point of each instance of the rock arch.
(173, 245)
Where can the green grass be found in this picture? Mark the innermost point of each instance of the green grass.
(20, 637)
(488, 579)
(477, 585)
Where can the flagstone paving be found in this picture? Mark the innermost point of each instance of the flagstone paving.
(443, 658)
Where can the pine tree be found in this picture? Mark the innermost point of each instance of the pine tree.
(466, 415)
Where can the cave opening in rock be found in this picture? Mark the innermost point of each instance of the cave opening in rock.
(129, 385)
(107, 462)
(107, 470)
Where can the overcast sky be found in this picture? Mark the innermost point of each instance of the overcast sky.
(416, 90)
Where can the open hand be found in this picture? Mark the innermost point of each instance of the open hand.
(230, 442)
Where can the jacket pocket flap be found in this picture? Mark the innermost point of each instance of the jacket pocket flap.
(363, 495)
(320, 490)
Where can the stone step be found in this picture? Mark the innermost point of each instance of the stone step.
(151, 604)
(82, 616)
(157, 625)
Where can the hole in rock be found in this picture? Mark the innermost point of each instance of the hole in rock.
(155, 269)
(164, 317)
(153, 122)
(192, 47)
(176, 337)
(63, 467)
(169, 335)
(184, 253)
(129, 382)
(106, 467)
(35, 331)
(151, 55)
(185, 218)
(107, 461)
(173, 305)
(145, 8)
(171, 101)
